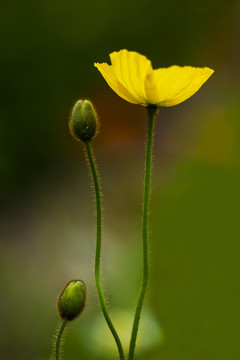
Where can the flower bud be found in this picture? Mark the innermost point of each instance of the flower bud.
(72, 300)
(83, 121)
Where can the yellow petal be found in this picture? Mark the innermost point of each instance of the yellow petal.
(173, 85)
(107, 72)
(131, 69)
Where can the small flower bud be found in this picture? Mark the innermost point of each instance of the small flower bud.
(83, 121)
(71, 300)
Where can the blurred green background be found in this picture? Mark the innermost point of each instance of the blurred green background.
(47, 227)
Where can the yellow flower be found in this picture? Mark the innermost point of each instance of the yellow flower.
(132, 77)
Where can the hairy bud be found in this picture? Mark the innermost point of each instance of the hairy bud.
(71, 300)
(83, 121)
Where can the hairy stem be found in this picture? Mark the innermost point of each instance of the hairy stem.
(57, 350)
(98, 248)
(145, 219)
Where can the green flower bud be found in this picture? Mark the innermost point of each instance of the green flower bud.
(83, 121)
(72, 300)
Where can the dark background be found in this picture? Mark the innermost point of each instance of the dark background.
(47, 227)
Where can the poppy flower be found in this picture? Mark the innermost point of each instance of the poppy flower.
(132, 77)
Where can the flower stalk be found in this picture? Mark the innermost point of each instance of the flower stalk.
(152, 110)
(59, 341)
(96, 182)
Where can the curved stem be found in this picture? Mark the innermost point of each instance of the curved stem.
(145, 217)
(98, 248)
(59, 339)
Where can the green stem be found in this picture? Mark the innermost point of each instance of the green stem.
(59, 339)
(98, 249)
(145, 217)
